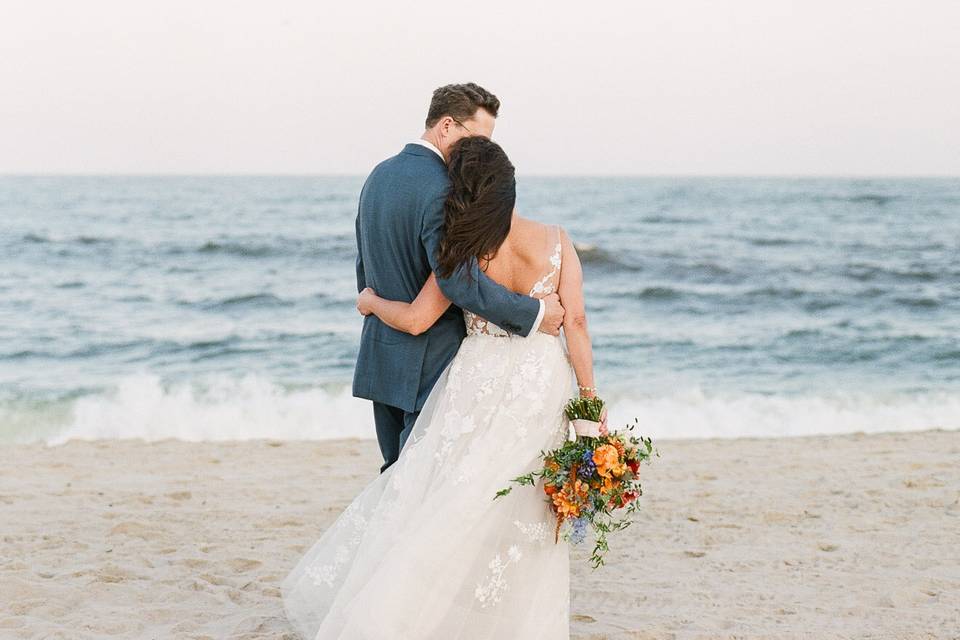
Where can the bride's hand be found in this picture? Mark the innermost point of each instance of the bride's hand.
(365, 301)
(603, 423)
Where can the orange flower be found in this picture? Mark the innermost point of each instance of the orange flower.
(607, 485)
(607, 459)
(564, 507)
(569, 500)
(549, 489)
(619, 447)
(581, 489)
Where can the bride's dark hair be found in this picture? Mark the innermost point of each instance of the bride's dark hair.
(479, 207)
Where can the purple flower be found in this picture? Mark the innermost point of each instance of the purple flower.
(587, 468)
(578, 529)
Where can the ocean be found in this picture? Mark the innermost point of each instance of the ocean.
(208, 308)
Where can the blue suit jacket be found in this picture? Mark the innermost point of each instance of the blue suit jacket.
(399, 227)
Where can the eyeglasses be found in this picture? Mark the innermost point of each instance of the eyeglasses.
(462, 125)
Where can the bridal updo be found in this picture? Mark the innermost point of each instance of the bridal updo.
(479, 207)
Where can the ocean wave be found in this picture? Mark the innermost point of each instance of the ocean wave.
(663, 219)
(211, 345)
(335, 246)
(35, 238)
(774, 242)
(248, 300)
(869, 272)
(822, 304)
(710, 272)
(214, 408)
(694, 413)
(878, 199)
(86, 351)
(659, 293)
(251, 406)
(918, 302)
(780, 293)
(93, 240)
(594, 256)
(329, 246)
(238, 249)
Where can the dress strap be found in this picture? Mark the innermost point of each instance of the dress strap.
(558, 260)
(546, 284)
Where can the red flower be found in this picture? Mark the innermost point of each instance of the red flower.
(634, 466)
(626, 498)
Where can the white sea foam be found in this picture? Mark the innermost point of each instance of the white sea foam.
(217, 408)
(695, 414)
(250, 406)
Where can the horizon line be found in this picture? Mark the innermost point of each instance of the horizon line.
(254, 174)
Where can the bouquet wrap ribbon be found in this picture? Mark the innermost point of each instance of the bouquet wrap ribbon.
(586, 428)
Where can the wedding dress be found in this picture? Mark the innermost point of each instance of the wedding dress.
(424, 551)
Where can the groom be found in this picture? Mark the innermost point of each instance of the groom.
(399, 227)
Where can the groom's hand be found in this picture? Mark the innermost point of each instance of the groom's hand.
(552, 315)
(364, 301)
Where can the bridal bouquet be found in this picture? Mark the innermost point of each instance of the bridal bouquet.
(590, 478)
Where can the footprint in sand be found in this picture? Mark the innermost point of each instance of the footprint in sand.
(241, 565)
(137, 530)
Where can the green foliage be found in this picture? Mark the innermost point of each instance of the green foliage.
(569, 462)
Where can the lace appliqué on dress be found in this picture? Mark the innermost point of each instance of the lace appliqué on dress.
(325, 574)
(545, 285)
(491, 592)
(477, 325)
(535, 531)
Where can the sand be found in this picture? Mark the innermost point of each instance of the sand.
(852, 536)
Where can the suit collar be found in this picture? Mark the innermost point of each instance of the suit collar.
(419, 150)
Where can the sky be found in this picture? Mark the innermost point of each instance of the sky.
(746, 87)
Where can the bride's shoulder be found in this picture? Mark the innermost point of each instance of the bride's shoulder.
(531, 230)
(547, 229)
(531, 227)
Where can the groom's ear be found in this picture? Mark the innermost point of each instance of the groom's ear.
(445, 125)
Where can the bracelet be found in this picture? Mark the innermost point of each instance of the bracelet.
(582, 388)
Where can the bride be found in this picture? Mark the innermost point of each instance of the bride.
(424, 552)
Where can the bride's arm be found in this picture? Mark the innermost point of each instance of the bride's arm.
(410, 317)
(575, 320)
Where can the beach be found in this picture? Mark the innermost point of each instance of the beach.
(841, 536)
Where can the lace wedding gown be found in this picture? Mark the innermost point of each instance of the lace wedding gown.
(424, 551)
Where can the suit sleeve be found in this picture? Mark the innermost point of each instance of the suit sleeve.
(512, 311)
(361, 274)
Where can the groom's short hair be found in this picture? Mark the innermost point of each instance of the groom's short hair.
(460, 101)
